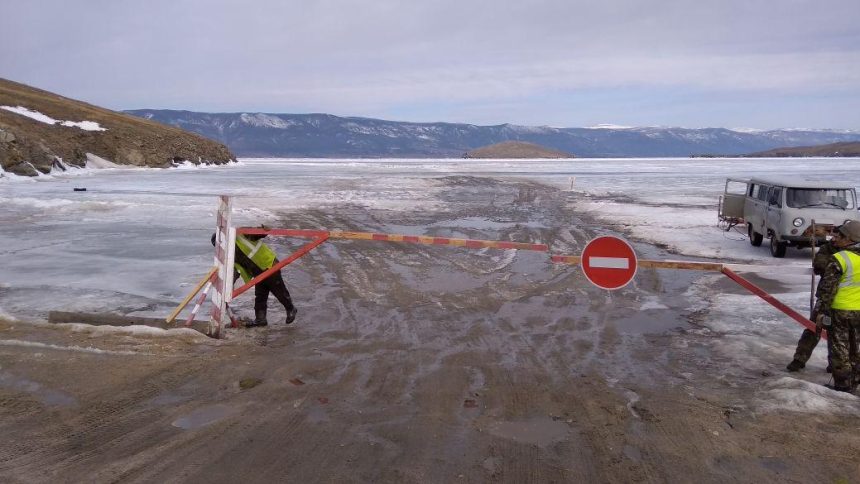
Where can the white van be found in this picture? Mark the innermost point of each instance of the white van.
(783, 210)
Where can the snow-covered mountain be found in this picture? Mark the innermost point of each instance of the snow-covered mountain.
(325, 135)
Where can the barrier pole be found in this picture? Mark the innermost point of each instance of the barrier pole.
(191, 295)
(749, 286)
(420, 239)
(650, 264)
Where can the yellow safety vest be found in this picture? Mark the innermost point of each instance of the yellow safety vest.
(848, 295)
(257, 251)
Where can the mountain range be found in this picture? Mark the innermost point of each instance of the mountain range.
(326, 135)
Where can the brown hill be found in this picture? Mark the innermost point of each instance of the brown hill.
(68, 130)
(516, 149)
(850, 148)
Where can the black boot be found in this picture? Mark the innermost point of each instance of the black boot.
(259, 319)
(842, 386)
(795, 365)
(291, 315)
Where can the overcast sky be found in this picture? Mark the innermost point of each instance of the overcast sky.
(730, 63)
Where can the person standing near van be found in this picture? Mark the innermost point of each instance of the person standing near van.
(809, 339)
(839, 302)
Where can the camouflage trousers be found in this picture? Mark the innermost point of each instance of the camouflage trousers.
(807, 343)
(809, 340)
(843, 346)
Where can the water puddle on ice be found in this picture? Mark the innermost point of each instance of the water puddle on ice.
(649, 321)
(540, 432)
(202, 416)
(45, 395)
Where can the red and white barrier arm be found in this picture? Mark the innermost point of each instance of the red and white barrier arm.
(420, 239)
(749, 286)
(650, 264)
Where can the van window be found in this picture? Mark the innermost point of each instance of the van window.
(775, 197)
(762, 192)
(820, 197)
(735, 187)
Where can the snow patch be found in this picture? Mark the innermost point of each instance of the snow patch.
(84, 125)
(43, 118)
(4, 314)
(788, 393)
(609, 126)
(137, 330)
(97, 162)
(79, 349)
(265, 121)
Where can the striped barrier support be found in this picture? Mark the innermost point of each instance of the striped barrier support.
(199, 303)
(223, 283)
(206, 278)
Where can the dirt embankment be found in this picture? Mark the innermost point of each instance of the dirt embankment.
(27, 145)
(413, 363)
(516, 150)
(847, 149)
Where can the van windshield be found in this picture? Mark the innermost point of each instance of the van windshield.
(836, 198)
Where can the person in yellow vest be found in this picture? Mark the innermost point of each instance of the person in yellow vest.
(252, 258)
(840, 303)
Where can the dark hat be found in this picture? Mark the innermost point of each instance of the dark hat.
(851, 230)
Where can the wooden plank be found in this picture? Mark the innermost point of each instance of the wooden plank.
(59, 317)
(190, 295)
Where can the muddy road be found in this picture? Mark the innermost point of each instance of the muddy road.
(412, 363)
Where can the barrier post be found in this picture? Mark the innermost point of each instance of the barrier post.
(224, 274)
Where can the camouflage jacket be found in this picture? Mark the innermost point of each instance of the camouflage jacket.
(829, 284)
(822, 256)
(820, 262)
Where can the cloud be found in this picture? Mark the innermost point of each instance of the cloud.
(358, 57)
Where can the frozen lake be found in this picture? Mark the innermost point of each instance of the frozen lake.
(137, 238)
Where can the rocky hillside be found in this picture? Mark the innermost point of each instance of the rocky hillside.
(849, 149)
(38, 127)
(324, 135)
(516, 149)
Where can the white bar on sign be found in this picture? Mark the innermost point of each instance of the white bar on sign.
(609, 262)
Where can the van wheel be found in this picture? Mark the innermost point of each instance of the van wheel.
(777, 249)
(755, 237)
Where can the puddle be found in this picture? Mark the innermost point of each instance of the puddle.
(202, 416)
(540, 432)
(167, 399)
(632, 453)
(317, 414)
(648, 321)
(45, 395)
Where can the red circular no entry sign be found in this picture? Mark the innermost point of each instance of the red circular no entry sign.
(608, 262)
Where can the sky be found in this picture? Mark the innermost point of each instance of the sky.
(566, 63)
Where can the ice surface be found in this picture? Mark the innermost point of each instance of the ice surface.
(138, 238)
